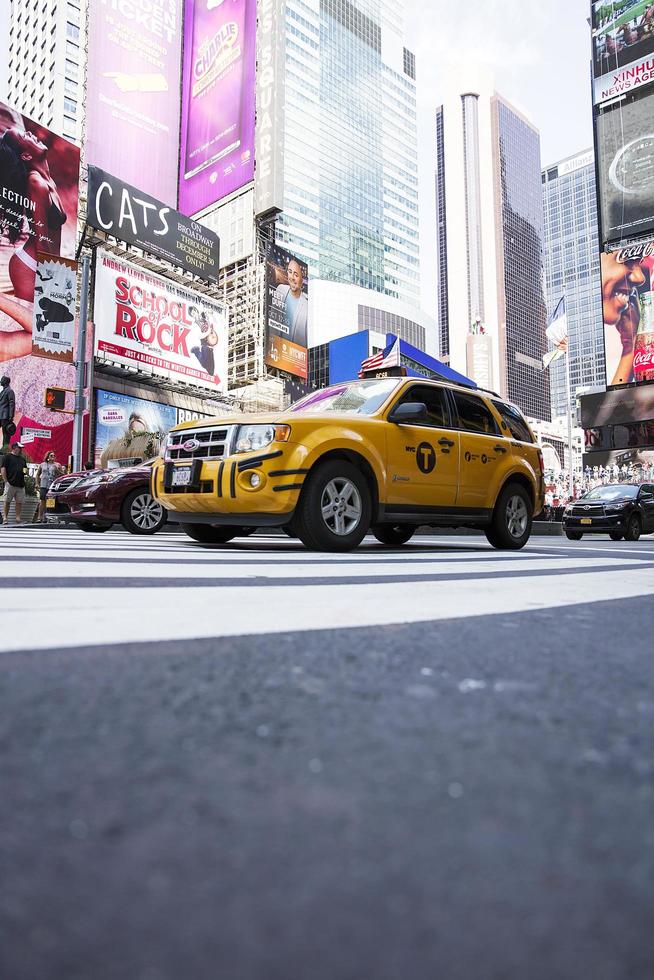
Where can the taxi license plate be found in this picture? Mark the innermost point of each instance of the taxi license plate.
(181, 476)
(50, 502)
(586, 520)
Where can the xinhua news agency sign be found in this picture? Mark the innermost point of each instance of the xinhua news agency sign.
(134, 217)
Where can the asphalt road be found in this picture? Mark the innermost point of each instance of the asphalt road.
(436, 762)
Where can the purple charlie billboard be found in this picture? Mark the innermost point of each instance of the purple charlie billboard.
(217, 148)
(132, 98)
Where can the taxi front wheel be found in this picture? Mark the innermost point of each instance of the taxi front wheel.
(511, 524)
(335, 509)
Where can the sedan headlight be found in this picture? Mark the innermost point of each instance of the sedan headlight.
(250, 438)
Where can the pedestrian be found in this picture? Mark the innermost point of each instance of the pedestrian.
(12, 470)
(7, 409)
(46, 474)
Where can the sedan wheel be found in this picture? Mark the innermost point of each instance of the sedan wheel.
(142, 514)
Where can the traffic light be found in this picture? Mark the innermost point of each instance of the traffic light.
(55, 399)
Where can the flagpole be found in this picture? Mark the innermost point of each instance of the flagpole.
(570, 451)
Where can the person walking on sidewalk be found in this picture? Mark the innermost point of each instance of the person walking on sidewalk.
(46, 474)
(7, 409)
(12, 469)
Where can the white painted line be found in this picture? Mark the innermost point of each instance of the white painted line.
(82, 617)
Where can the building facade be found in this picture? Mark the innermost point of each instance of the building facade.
(489, 223)
(572, 270)
(46, 60)
(350, 206)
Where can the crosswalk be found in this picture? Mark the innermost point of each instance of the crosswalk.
(63, 588)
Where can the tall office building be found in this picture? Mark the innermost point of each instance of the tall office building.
(350, 205)
(572, 270)
(45, 67)
(491, 306)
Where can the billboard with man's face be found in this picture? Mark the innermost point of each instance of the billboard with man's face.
(218, 78)
(287, 311)
(39, 177)
(132, 95)
(625, 147)
(628, 310)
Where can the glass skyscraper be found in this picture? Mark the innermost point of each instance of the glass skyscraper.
(572, 270)
(350, 145)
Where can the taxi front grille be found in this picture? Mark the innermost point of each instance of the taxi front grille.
(191, 444)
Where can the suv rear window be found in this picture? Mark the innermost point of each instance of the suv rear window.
(514, 422)
(474, 415)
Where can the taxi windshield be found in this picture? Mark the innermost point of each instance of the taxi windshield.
(358, 397)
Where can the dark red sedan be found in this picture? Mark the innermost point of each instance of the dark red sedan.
(98, 499)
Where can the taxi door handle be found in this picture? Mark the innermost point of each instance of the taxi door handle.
(500, 449)
(445, 442)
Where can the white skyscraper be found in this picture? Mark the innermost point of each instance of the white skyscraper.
(491, 307)
(45, 67)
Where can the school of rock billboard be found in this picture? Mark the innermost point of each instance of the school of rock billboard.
(132, 96)
(142, 320)
(39, 177)
(628, 311)
(286, 311)
(218, 79)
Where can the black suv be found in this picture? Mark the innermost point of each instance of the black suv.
(621, 510)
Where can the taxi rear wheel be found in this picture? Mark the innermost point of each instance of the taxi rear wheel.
(207, 534)
(335, 508)
(511, 524)
(394, 534)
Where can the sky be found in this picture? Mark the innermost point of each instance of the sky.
(539, 52)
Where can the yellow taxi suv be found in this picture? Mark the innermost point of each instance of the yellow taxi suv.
(379, 455)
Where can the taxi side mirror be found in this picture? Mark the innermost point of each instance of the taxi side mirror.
(409, 412)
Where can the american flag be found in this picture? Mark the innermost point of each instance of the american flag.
(389, 357)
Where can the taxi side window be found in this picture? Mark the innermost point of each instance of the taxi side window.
(435, 400)
(514, 422)
(474, 415)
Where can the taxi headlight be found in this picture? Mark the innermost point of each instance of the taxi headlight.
(250, 438)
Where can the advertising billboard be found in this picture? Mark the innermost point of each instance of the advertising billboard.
(632, 464)
(55, 299)
(142, 320)
(132, 93)
(625, 146)
(623, 42)
(628, 311)
(39, 177)
(218, 78)
(129, 429)
(132, 216)
(618, 406)
(286, 311)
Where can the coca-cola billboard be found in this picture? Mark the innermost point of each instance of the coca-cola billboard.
(628, 310)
